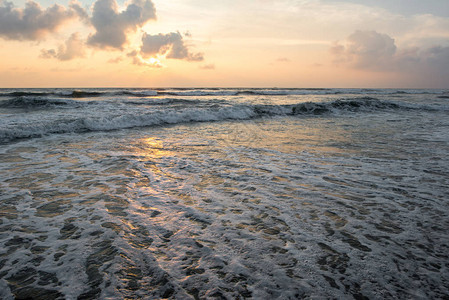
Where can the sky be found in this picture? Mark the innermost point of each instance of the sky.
(229, 43)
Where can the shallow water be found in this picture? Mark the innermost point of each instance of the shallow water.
(347, 205)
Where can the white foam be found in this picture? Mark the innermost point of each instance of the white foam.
(280, 207)
(118, 114)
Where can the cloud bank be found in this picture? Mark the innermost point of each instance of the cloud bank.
(373, 51)
(112, 26)
(33, 22)
(366, 50)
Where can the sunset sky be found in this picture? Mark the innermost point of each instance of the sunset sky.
(231, 43)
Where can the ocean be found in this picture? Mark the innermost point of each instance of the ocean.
(224, 193)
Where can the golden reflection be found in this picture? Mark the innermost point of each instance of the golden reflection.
(152, 152)
(153, 148)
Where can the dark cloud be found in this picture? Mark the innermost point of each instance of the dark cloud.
(112, 26)
(73, 48)
(437, 60)
(33, 22)
(81, 12)
(369, 50)
(171, 45)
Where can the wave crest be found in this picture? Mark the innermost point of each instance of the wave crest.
(32, 102)
(112, 119)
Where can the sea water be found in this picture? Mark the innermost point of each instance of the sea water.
(224, 193)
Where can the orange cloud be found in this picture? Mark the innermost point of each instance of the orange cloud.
(171, 44)
(73, 48)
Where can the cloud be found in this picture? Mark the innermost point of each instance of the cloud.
(412, 7)
(373, 51)
(283, 59)
(33, 22)
(81, 12)
(73, 48)
(115, 60)
(138, 60)
(437, 59)
(171, 45)
(208, 67)
(110, 29)
(47, 54)
(152, 63)
(366, 50)
(112, 26)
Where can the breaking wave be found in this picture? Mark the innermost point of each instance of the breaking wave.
(114, 119)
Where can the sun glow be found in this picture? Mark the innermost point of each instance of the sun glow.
(148, 62)
(154, 61)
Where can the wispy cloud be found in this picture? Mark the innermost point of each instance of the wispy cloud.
(115, 60)
(283, 59)
(208, 67)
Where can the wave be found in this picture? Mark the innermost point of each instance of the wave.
(146, 93)
(285, 92)
(24, 94)
(27, 102)
(170, 101)
(33, 102)
(198, 93)
(65, 94)
(81, 94)
(107, 120)
(202, 92)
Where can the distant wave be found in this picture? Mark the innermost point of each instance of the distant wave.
(206, 92)
(145, 93)
(66, 94)
(111, 120)
(23, 94)
(33, 102)
(81, 94)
